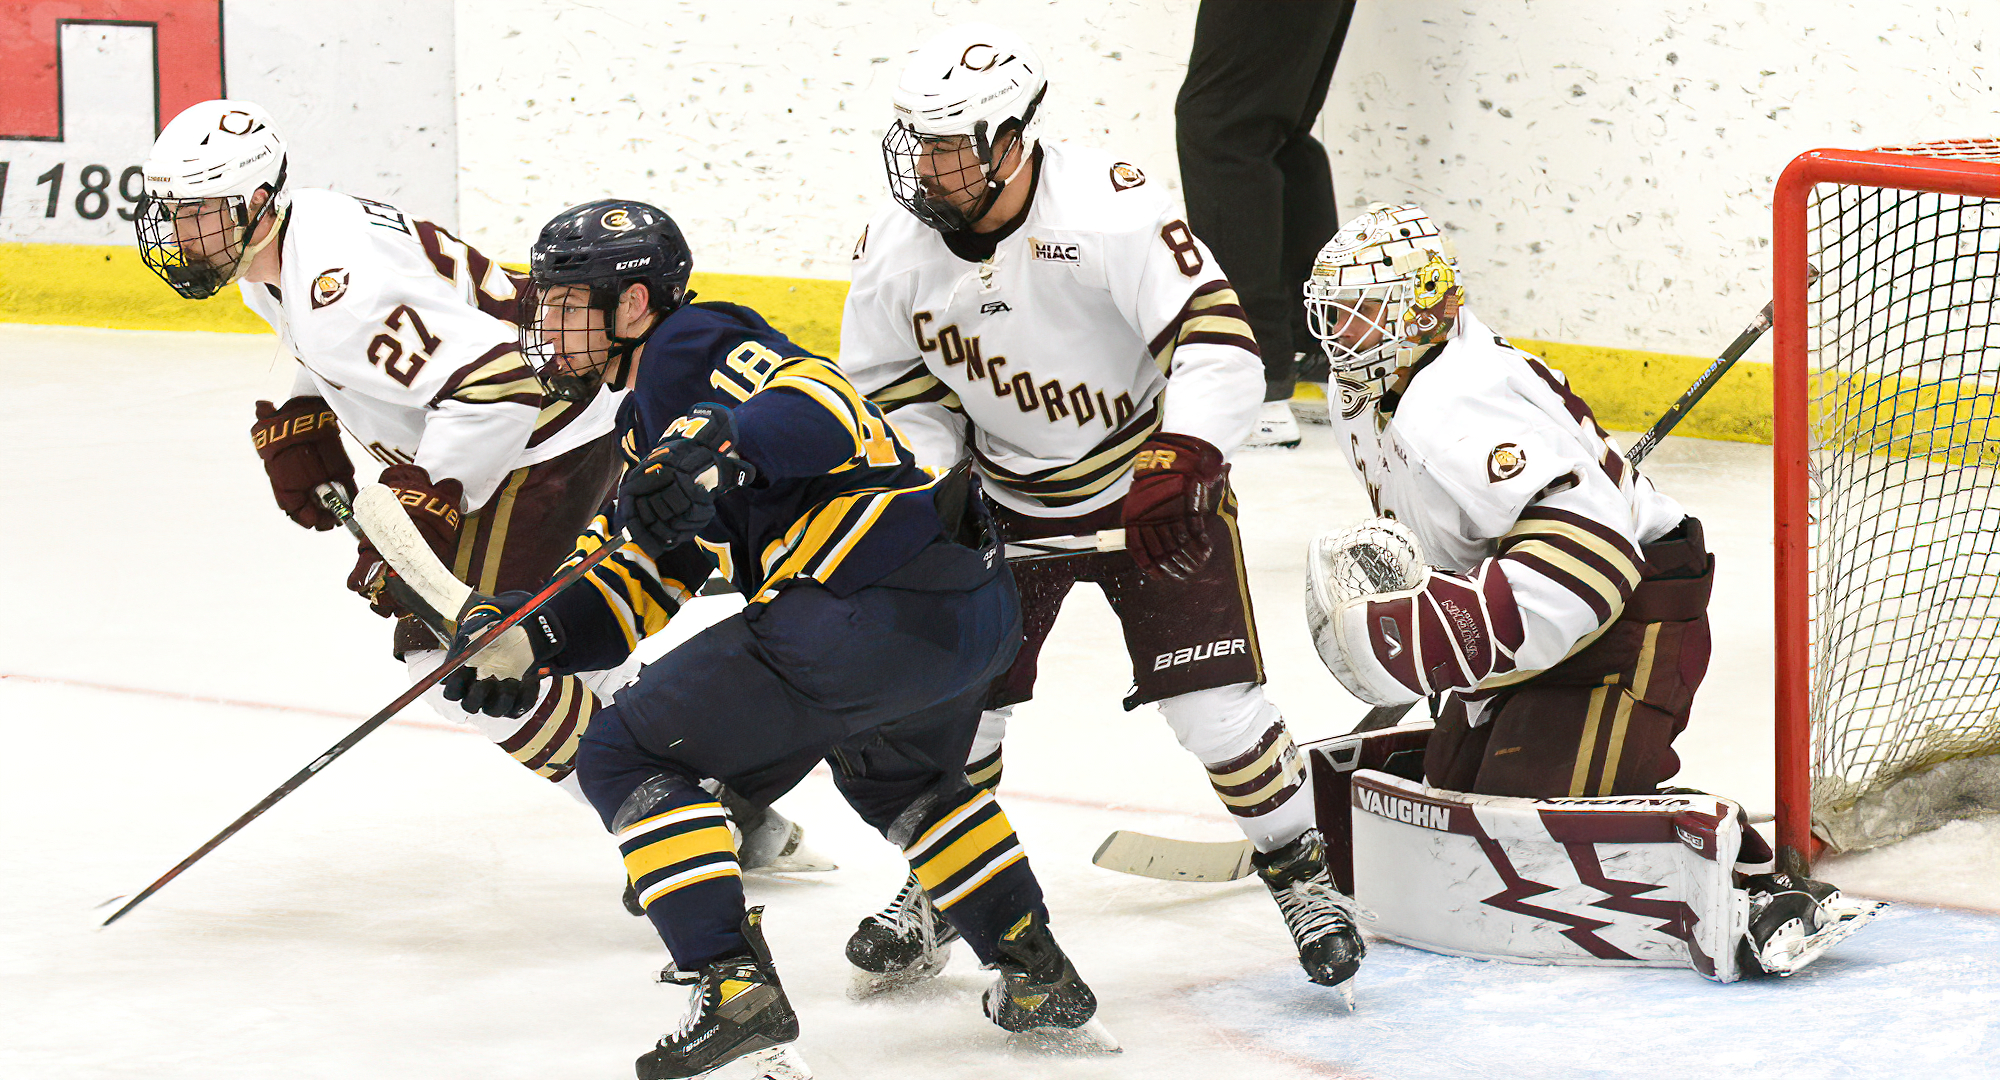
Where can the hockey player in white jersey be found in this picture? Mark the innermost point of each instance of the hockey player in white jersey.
(1046, 310)
(406, 337)
(1519, 573)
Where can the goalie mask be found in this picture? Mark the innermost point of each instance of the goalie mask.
(199, 212)
(1388, 280)
(582, 264)
(962, 95)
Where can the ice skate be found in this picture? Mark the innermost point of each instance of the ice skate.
(901, 945)
(767, 840)
(1793, 920)
(777, 845)
(1039, 994)
(738, 1022)
(1320, 918)
(1276, 427)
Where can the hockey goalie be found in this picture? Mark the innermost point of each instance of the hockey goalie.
(1551, 605)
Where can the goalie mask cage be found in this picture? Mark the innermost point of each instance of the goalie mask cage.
(1887, 453)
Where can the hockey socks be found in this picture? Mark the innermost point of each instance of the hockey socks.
(973, 867)
(681, 860)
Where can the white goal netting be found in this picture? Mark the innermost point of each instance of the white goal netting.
(1905, 528)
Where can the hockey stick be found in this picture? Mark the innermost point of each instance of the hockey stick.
(335, 499)
(452, 662)
(1056, 547)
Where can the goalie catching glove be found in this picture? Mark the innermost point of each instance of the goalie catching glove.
(505, 678)
(669, 497)
(1394, 630)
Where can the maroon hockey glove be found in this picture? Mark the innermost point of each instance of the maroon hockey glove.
(434, 509)
(300, 445)
(1177, 482)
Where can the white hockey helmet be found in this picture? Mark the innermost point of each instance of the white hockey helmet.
(195, 221)
(1387, 280)
(962, 92)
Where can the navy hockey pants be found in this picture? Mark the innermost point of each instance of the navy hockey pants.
(885, 684)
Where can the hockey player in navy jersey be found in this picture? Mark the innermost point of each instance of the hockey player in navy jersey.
(878, 610)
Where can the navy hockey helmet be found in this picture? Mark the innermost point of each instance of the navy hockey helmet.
(582, 263)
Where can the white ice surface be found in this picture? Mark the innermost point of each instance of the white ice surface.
(172, 648)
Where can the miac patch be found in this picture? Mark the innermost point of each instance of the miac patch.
(328, 286)
(1505, 462)
(1125, 175)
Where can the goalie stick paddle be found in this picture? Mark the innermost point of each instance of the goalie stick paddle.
(452, 662)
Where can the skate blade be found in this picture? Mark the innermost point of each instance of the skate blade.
(1792, 956)
(775, 1063)
(794, 857)
(1346, 992)
(862, 985)
(1092, 1038)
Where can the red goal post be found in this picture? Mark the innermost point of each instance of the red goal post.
(1882, 417)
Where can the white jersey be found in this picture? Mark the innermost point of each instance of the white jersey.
(1488, 450)
(1096, 320)
(405, 331)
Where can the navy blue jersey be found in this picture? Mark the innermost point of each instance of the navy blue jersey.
(838, 498)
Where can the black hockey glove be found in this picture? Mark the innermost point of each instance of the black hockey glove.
(506, 677)
(669, 497)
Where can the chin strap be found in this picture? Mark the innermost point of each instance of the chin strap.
(252, 249)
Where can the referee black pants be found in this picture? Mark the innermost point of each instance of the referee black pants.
(1259, 192)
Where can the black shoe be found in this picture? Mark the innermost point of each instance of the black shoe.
(1038, 986)
(1319, 916)
(907, 942)
(739, 1010)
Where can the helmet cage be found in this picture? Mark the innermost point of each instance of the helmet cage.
(222, 225)
(951, 202)
(571, 361)
(1336, 312)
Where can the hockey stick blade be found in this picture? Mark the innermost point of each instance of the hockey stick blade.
(452, 662)
(1166, 859)
(1059, 547)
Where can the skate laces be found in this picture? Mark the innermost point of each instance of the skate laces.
(697, 999)
(1313, 910)
(901, 914)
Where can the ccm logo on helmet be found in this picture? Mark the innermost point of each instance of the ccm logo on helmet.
(1210, 651)
(630, 263)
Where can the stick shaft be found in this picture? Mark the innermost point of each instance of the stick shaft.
(452, 662)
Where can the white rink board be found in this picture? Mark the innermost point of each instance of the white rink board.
(361, 90)
(1607, 169)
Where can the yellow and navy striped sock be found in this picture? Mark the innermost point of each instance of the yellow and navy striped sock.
(975, 870)
(984, 773)
(682, 861)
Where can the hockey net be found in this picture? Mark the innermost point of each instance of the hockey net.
(1901, 455)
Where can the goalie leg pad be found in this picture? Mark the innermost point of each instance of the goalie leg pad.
(1641, 881)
